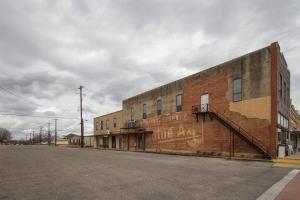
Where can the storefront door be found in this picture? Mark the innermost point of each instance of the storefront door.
(140, 141)
(113, 142)
(105, 142)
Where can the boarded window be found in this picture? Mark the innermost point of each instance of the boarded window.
(178, 103)
(114, 122)
(131, 114)
(101, 125)
(144, 111)
(107, 124)
(158, 107)
(237, 89)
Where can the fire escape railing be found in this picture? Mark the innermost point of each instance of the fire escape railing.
(207, 108)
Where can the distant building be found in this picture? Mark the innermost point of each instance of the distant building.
(62, 141)
(238, 108)
(75, 139)
(107, 129)
(89, 141)
(294, 128)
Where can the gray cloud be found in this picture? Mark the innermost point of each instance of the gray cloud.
(116, 49)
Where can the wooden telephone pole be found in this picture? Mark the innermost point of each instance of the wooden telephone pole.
(49, 135)
(81, 119)
(55, 136)
(32, 141)
(40, 135)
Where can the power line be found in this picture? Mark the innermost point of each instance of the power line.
(21, 97)
(39, 116)
(30, 129)
(18, 96)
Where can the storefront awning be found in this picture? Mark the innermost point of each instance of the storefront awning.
(295, 132)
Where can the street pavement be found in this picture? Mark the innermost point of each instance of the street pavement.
(46, 173)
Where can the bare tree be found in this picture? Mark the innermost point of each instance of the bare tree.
(40, 138)
(5, 135)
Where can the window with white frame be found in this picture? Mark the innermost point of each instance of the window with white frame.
(179, 103)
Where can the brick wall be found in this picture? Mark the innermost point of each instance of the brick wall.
(180, 132)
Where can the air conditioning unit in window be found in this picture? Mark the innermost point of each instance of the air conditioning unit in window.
(107, 132)
(131, 124)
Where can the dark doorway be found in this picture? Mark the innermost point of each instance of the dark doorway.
(120, 143)
(113, 142)
(140, 141)
(105, 142)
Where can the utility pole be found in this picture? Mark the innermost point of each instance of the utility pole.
(55, 138)
(40, 135)
(81, 119)
(32, 137)
(49, 135)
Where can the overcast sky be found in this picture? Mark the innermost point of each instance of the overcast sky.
(116, 49)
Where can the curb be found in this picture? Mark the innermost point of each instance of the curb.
(286, 161)
(291, 158)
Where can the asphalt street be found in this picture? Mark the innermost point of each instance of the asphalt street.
(42, 172)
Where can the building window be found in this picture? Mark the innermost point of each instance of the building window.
(131, 114)
(280, 89)
(178, 103)
(107, 124)
(114, 122)
(237, 89)
(144, 111)
(279, 136)
(288, 94)
(101, 125)
(158, 107)
(97, 124)
(282, 121)
(284, 92)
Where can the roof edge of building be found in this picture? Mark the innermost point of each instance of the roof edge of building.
(109, 113)
(203, 71)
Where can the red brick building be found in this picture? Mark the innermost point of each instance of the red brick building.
(238, 108)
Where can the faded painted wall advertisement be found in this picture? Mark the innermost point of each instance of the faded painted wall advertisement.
(169, 130)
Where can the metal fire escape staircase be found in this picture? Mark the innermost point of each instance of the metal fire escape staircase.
(234, 127)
